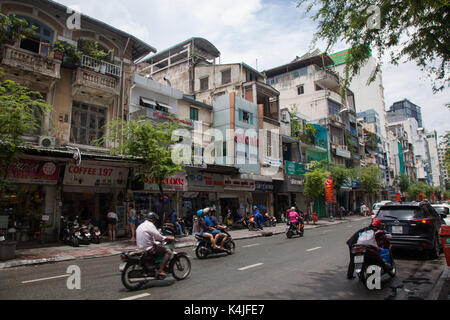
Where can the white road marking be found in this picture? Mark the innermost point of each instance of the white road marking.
(137, 297)
(49, 278)
(250, 245)
(252, 266)
(312, 249)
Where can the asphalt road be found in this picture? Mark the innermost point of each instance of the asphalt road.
(266, 268)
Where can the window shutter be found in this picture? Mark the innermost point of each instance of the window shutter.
(240, 115)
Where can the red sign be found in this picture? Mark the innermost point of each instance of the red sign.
(421, 196)
(433, 198)
(329, 194)
(33, 171)
(398, 197)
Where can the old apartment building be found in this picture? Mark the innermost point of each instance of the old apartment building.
(62, 173)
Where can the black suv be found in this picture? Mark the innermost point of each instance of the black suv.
(414, 225)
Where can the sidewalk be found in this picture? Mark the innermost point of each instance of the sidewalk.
(61, 252)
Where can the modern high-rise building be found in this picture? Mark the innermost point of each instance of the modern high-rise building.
(408, 109)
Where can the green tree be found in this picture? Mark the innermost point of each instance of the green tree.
(340, 176)
(315, 184)
(13, 28)
(404, 182)
(415, 189)
(150, 142)
(21, 112)
(370, 179)
(415, 30)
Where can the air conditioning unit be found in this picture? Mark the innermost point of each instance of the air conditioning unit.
(47, 142)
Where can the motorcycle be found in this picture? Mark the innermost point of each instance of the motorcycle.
(133, 274)
(293, 230)
(269, 221)
(70, 233)
(365, 255)
(251, 224)
(95, 233)
(203, 246)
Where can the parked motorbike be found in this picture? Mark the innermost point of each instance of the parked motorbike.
(251, 224)
(293, 230)
(269, 221)
(203, 246)
(95, 233)
(367, 255)
(70, 233)
(133, 272)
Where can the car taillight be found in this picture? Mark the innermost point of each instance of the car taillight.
(424, 221)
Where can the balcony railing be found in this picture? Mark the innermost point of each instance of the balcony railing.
(30, 61)
(92, 80)
(102, 67)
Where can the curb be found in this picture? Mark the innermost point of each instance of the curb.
(440, 290)
(29, 262)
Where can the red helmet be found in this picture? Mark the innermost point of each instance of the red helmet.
(377, 223)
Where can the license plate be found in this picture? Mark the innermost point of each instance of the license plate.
(359, 259)
(122, 266)
(97, 233)
(397, 229)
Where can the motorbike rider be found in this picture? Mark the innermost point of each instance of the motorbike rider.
(175, 221)
(258, 218)
(380, 238)
(295, 218)
(149, 239)
(207, 230)
(218, 227)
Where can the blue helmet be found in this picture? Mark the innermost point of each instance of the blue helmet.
(255, 207)
(199, 212)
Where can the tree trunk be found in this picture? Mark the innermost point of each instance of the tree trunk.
(161, 191)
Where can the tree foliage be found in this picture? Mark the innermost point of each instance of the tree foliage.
(370, 178)
(340, 176)
(13, 28)
(415, 30)
(315, 183)
(404, 182)
(21, 112)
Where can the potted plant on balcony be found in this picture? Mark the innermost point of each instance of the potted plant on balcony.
(13, 29)
(67, 53)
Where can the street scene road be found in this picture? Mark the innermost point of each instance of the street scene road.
(264, 268)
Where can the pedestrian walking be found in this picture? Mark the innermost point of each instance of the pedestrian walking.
(132, 222)
(112, 221)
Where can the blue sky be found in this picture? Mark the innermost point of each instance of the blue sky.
(262, 32)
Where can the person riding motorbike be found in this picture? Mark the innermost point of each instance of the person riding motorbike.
(295, 218)
(380, 238)
(207, 230)
(149, 239)
(176, 222)
(259, 219)
(218, 227)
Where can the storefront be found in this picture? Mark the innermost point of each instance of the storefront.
(237, 195)
(28, 205)
(289, 193)
(146, 196)
(203, 189)
(263, 196)
(91, 190)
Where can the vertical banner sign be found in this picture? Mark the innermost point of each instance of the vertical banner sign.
(398, 197)
(421, 196)
(329, 195)
(433, 198)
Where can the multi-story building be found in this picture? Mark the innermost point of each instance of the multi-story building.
(406, 109)
(444, 173)
(85, 95)
(245, 111)
(307, 86)
(437, 179)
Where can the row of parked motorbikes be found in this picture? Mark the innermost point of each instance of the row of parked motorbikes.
(73, 233)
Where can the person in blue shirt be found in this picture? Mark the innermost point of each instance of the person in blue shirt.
(258, 218)
(205, 226)
(174, 219)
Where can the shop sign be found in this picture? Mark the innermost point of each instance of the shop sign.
(343, 153)
(238, 184)
(205, 182)
(175, 183)
(263, 186)
(295, 168)
(95, 176)
(329, 194)
(33, 171)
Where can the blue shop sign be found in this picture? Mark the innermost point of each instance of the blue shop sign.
(263, 186)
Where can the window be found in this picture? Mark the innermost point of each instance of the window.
(87, 123)
(246, 117)
(194, 114)
(226, 76)
(300, 89)
(43, 36)
(204, 83)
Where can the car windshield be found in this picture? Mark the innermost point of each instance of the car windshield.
(400, 213)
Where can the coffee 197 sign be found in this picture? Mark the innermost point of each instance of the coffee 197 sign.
(95, 176)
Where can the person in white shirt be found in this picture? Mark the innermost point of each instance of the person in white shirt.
(149, 239)
(112, 221)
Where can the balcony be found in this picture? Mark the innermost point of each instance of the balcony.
(326, 79)
(92, 82)
(99, 66)
(28, 61)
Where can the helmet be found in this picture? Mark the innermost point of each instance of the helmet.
(152, 215)
(199, 212)
(293, 208)
(255, 207)
(377, 223)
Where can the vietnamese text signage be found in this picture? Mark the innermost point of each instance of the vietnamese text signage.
(329, 194)
(33, 171)
(295, 168)
(95, 176)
